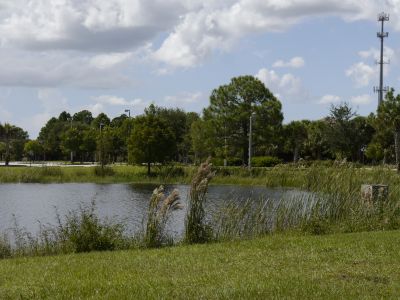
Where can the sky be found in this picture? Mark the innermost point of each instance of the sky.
(112, 55)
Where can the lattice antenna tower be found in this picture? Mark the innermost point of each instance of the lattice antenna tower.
(382, 17)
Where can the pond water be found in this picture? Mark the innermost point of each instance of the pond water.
(30, 204)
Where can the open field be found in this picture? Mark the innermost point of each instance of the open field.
(360, 265)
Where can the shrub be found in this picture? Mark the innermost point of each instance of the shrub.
(265, 161)
(83, 231)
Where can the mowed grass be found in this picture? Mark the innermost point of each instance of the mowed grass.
(359, 265)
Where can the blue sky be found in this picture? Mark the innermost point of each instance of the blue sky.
(108, 56)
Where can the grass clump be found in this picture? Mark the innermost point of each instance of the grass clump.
(83, 231)
(103, 171)
(196, 228)
(159, 211)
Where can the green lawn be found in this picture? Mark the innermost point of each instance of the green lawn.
(360, 265)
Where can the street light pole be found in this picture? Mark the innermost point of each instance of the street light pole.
(250, 139)
(129, 112)
(72, 153)
(101, 147)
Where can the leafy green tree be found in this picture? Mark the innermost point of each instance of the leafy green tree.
(65, 117)
(202, 133)
(341, 131)
(50, 137)
(89, 144)
(72, 140)
(317, 144)
(33, 149)
(364, 132)
(152, 140)
(296, 135)
(14, 139)
(83, 116)
(102, 118)
(230, 108)
(389, 118)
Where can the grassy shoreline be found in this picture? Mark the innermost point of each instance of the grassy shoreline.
(358, 265)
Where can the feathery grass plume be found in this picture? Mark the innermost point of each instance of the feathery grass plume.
(196, 229)
(160, 209)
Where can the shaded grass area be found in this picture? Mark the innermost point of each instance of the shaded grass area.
(362, 265)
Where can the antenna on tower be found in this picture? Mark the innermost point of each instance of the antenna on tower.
(382, 17)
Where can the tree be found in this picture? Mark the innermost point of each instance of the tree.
(72, 140)
(83, 116)
(230, 108)
(296, 135)
(389, 118)
(50, 137)
(317, 143)
(14, 139)
(152, 140)
(202, 133)
(33, 149)
(102, 118)
(341, 133)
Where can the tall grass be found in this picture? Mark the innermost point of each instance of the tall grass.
(196, 228)
(334, 204)
(159, 211)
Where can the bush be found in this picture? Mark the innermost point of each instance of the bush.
(83, 231)
(265, 161)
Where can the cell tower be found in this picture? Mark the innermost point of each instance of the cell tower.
(382, 17)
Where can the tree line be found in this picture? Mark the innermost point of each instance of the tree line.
(162, 135)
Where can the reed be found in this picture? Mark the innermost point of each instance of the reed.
(159, 211)
(196, 228)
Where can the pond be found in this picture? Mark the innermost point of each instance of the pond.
(29, 204)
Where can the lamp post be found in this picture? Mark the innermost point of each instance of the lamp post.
(101, 146)
(72, 153)
(129, 112)
(250, 139)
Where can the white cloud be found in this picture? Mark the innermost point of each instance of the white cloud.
(329, 99)
(362, 74)
(182, 33)
(388, 54)
(87, 25)
(287, 86)
(361, 100)
(119, 101)
(183, 98)
(217, 25)
(107, 61)
(22, 68)
(295, 62)
(52, 103)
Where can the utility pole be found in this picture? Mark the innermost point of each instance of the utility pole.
(382, 17)
(250, 139)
